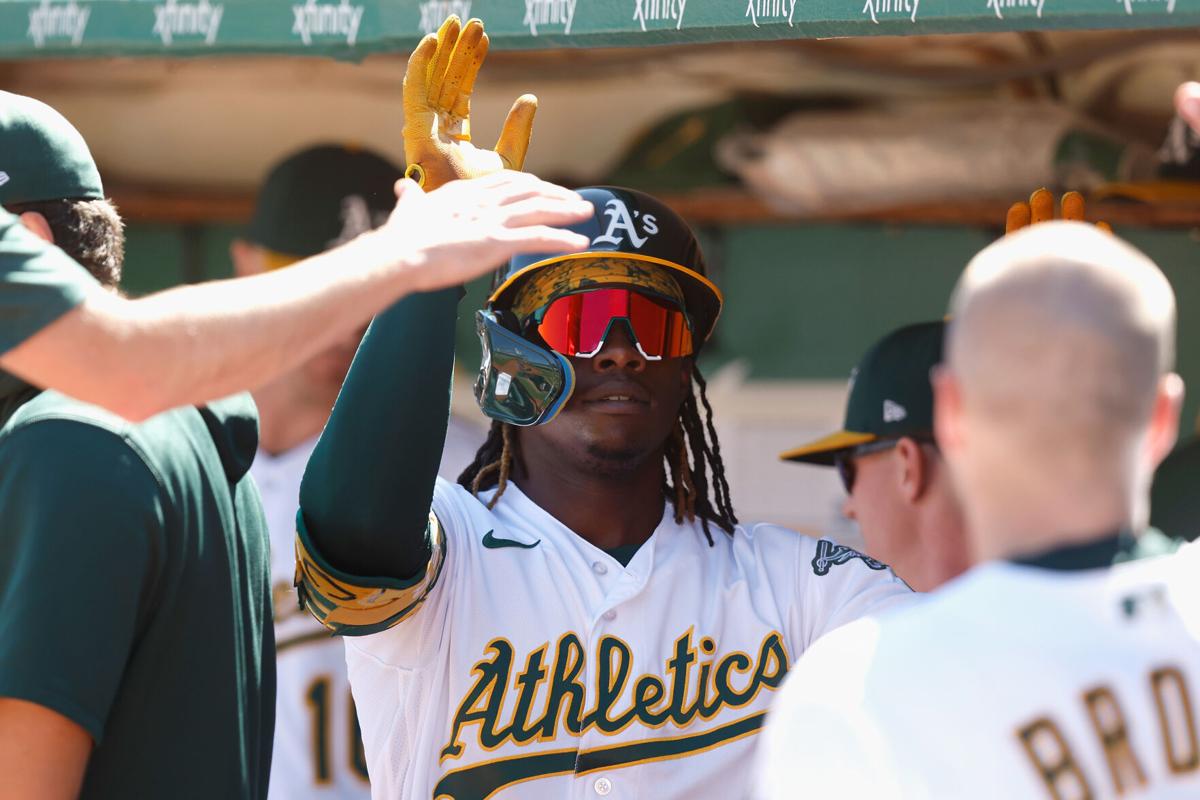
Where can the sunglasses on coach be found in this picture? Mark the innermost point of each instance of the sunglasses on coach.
(844, 461)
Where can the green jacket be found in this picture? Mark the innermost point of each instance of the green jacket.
(135, 592)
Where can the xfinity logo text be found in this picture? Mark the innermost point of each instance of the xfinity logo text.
(173, 19)
(660, 11)
(770, 11)
(321, 19)
(882, 7)
(434, 12)
(58, 21)
(549, 12)
(1000, 5)
(1129, 4)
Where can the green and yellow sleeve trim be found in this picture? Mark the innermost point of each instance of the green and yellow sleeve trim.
(350, 605)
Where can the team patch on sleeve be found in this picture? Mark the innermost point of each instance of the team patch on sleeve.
(830, 555)
(355, 606)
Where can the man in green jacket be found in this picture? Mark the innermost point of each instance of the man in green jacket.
(136, 645)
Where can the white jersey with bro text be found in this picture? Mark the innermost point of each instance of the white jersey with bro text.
(1010, 682)
(318, 752)
(538, 667)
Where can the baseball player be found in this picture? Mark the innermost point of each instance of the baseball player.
(191, 344)
(897, 486)
(312, 201)
(1043, 671)
(136, 654)
(581, 615)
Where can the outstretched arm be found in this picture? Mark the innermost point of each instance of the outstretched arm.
(368, 486)
(196, 343)
(367, 551)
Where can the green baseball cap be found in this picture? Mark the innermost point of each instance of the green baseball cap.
(42, 156)
(890, 394)
(321, 197)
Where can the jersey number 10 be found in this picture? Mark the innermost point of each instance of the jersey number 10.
(317, 698)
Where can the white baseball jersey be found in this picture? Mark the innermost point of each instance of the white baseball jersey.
(538, 667)
(318, 751)
(1010, 682)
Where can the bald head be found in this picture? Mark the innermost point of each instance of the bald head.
(1062, 336)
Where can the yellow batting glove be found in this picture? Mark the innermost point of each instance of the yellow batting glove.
(437, 110)
(1040, 208)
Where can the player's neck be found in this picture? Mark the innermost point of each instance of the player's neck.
(607, 510)
(1014, 529)
(286, 417)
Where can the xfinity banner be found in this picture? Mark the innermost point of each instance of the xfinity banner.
(353, 28)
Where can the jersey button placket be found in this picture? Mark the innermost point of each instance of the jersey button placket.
(603, 787)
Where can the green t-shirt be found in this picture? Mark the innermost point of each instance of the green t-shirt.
(38, 283)
(135, 593)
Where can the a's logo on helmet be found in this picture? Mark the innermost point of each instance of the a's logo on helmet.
(621, 222)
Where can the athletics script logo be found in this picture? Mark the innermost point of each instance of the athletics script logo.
(173, 19)
(546, 696)
(434, 12)
(999, 6)
(660, 11)
(544, 13)
(881, 8)
(58, 21)
(325, 19)
(770, 11)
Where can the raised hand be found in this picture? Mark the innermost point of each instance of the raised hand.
(437, 110)
(467, 227)
(1040, 208)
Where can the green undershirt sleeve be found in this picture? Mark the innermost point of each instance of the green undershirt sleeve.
(368, 487)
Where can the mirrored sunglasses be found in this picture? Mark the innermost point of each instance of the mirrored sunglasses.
(578, 324)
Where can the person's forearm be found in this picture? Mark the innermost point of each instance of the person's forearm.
(367, 490)
(43, 754)
(196, 343)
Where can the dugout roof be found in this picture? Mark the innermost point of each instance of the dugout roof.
(352, 29)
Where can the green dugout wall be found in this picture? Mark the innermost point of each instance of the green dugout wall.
(803, 300)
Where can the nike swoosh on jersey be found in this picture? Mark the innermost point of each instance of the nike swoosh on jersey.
(494, 542)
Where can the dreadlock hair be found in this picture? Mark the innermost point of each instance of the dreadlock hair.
(691, 452)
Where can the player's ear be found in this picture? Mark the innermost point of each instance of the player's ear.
(38, 226)
(247, 259)
(1164, 419)
(912, 469)
(947, 409)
